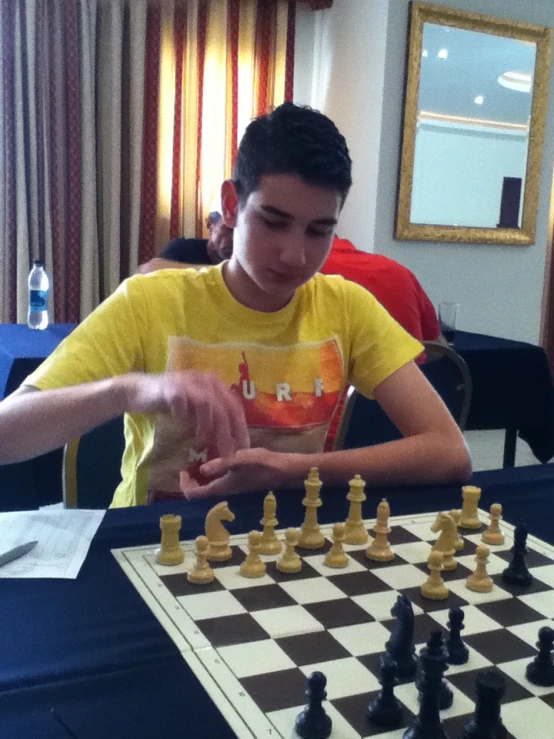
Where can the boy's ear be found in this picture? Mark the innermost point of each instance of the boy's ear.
(229, 203)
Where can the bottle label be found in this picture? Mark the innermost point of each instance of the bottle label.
(38, 299)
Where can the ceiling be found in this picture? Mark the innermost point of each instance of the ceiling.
(472, 68)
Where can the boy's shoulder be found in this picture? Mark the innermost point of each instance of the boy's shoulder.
(170, 279)
(339, 287)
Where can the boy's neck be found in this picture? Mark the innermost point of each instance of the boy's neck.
(247, 293)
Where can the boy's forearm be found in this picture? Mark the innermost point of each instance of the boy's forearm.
(34, 423)
(421, 459)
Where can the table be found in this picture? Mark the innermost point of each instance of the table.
(91, 649)
(512, 390)
(37, 482)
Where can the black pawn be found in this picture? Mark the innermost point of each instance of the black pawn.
(541, 670)
(427, 724)
(458, 653)
(385, 710)
(313, 722)
(486, 723)
(517, 573)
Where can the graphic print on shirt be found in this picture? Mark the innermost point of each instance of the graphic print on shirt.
(288, 393)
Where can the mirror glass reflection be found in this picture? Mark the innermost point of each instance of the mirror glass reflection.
(472, 134)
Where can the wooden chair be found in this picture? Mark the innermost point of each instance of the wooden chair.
(92, 466)
(364, 423)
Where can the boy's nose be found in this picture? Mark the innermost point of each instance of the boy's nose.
(293, 254)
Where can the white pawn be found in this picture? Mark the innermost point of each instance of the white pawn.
(493, 535)
(201, 573)
(289, 562)
(479, 581)
(336, 556)
(434, 588)
(253, 565)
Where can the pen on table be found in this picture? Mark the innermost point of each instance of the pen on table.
(62, 723)
(16, 552)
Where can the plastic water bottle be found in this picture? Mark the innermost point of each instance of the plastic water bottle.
(37, 316)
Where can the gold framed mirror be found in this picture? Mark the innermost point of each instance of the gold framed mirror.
(474, 116)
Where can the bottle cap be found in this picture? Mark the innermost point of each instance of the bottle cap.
(38, 263)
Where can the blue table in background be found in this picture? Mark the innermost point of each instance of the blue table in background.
(91, 648)
(512, 390)
(28, 485)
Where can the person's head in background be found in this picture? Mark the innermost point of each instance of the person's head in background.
(220, 238)
(291, 177)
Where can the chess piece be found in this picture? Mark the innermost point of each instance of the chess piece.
(385, 710)
(400, 646)
(427, 724)
(490, 687)
(354, 529)
(253, 565)
(313, 722)
(541, 670)
(170, 552)
(379, 549)
(289, 562)
(517, 573)
(434, 588)
(478, 580)
(455, 516)
(469, 518)
(218, 537)
(270, 542)
(458, 653)
(446, 696)
(493, 535)
(446, 543)
(336, 556)
(310, 535)
(201, 573)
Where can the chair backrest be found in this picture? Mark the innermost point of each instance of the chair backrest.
(364, 423)
(92, 466)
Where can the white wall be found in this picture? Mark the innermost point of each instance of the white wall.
(347, 85)
(360, 84)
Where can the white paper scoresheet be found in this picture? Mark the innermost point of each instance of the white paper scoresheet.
(63, 536)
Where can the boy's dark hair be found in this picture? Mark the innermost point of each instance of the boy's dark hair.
(294, 140)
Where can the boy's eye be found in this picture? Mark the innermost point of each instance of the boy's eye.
(275, 225)
(317, 233)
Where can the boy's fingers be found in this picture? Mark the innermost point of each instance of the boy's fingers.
(217, 487)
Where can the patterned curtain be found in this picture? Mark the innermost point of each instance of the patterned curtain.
(71, 121)
(118, 121)
(212, 65)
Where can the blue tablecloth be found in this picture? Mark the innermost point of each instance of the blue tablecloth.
(512, 390)
(91, 649)
(22, 350)
(28, 485)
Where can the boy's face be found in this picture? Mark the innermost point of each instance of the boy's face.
(282, 236)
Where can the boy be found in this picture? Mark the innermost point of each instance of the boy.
(228, 376)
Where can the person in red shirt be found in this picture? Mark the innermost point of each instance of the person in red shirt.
(394, 286)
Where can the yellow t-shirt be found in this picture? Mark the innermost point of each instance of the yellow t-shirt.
(288, 367)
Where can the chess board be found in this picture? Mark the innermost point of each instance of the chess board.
(252, 643)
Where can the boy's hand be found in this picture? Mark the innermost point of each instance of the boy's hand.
(218, 413)
(247, 471)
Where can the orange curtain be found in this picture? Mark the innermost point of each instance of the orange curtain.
(212, 65)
